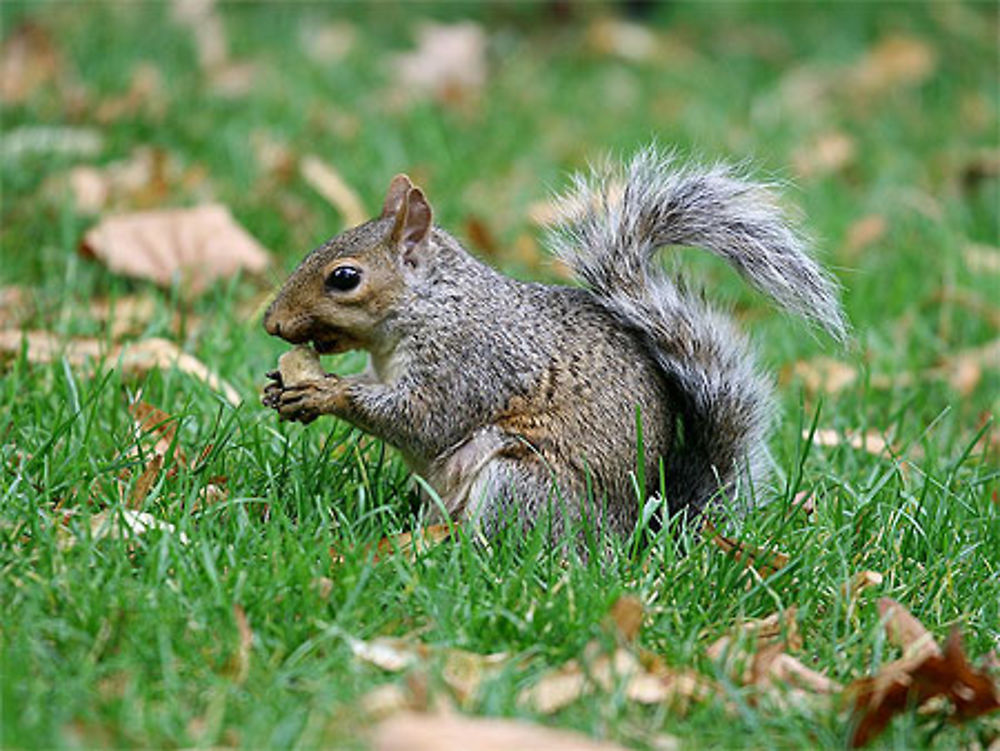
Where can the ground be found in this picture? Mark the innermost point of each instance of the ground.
(235, 625)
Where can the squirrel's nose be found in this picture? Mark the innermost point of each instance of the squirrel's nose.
(271, 324)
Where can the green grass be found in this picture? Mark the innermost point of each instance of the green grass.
(134, 643)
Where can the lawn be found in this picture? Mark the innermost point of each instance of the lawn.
(236, 620)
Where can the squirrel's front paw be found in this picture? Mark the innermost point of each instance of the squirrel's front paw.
(306, 400)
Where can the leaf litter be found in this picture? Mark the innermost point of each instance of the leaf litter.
(194, 246)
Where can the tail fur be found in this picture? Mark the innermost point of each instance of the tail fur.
(616, 223)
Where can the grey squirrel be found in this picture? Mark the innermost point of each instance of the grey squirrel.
(513, 397)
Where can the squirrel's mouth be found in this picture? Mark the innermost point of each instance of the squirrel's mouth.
(333, 345)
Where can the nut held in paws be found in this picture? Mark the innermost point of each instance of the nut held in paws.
(298, 365)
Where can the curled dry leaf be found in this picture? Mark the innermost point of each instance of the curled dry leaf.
(326, 181)
(28, 59)
(449, 62)
(861, 581)
(905, 631)
(16, 306)
(895, 60)
(115, 524)
(197, 246)
(764, 562)
(824, 374)
(392, 654)
(410, 731)
(871, 441)
(241, 667)
(829, 152)
(964, 369)
(409, 544)
(134, 358)
(626, 614)
(329, 43)
(915, 680)
(863, 233)
(630, 41)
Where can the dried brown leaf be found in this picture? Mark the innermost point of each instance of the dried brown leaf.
(137, 495)
(829, 152)
(824, 374)
(16, 306)
(134, 358)
(28, 60)
(624, 39)
(913, 681)
(863, 233)
(389, 653)
(964, 369)
(329, 43)
(409, 544)
(895, 60)
(196, 246)
(449, 62)
(626, 615)
(765, 562)
(861, 581)
(871, 441)
(114, 524)
(242, 661)
(326, 181)
(905, 631)
(982, 259)
(410, 731)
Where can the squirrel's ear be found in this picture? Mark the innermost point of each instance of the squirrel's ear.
(415, 227)
(395, 197)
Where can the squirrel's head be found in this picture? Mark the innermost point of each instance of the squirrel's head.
(342, 291)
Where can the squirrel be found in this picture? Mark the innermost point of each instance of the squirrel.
(535, 399)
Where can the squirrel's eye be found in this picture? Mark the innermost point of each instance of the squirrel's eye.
(343, 279)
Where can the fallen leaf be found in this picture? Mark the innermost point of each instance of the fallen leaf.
(895, 60)
(861, 581)
(913, 681)
(196, 246)
(449, 62)
(153, 422)
(464, 671)
(626, 614)
(829, 152)
(629, 41)
(114, 524)
(242, 666)
(28, 60)
(764, 562)
(982, 259)
(905, 631)
(145, 482)
(16, 306)
(326, 181)
(863, 233)
(824, 374)
(329, 43)
(409, 731)
(205, 24)
(871, 441)
(386, 700)
(391, 654)
(805, 502)
(143, 179)
(145, 95)
(134, 358)
(409, 544)
(964, 369)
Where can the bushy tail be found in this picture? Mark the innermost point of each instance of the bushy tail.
(616, 221)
